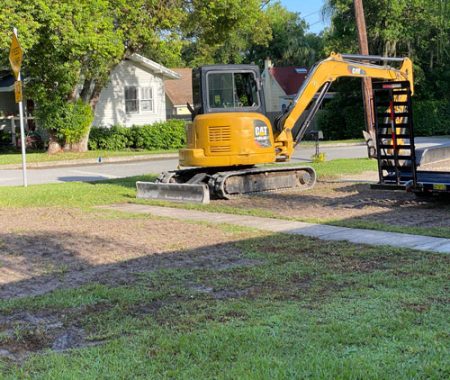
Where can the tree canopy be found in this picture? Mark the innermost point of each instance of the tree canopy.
(419, 29)
(72, 46)
(290, 43)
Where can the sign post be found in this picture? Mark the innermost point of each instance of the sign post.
(15, 58)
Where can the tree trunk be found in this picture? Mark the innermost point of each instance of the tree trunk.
(89, 93)
(82, 145)
(78, 147)
(54, 145)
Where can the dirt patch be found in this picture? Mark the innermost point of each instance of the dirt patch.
(351, 201)
(26, 332)
(45, 249)
(42, 250)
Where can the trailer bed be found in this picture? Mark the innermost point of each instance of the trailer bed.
(430, 182)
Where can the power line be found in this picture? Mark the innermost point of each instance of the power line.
(312, 13)
(315, 23)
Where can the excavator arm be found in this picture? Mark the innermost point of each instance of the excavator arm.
(319, 80)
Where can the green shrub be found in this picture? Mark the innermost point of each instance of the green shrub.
(5, 139)
(69, 122)
(164, 135)
(159, 136)
(114, 138)
(431, 117)
(341, 120)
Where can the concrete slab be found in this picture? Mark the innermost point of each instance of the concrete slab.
(320, 231)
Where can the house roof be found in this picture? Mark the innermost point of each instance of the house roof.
(290, 78)
(153, 66)
(180, 91)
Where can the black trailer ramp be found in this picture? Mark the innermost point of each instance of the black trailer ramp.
(396, 152)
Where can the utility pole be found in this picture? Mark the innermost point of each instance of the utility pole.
(367, 82)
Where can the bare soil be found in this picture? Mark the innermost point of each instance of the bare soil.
(351, 198)
(42, 250)
(46, 249)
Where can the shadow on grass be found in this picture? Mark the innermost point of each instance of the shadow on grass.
(79, 292)
(128, 182)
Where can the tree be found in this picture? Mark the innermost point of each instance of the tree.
(290, 44)
(71, 47)
(419, 29)
(221, 31)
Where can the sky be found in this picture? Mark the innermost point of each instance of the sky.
(310, 10)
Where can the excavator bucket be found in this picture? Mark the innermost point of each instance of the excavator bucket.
(178, 192)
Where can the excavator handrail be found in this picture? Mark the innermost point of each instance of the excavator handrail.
(372, 57)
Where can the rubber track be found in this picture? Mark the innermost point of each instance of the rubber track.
(217, 180)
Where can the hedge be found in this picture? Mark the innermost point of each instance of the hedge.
(339, 120)
(159, 136)
(431, 117)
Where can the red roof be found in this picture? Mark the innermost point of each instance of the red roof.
(179, 91)
(290, 78)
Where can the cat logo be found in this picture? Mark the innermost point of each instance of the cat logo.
(261, 131)
(262, 135)
(356, 70)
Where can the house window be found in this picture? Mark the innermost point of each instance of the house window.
(139, 99)
(131, 99)
(147, 99)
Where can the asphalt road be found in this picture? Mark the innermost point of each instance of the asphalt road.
(118, 170)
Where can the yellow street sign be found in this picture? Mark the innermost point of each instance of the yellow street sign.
(15, 55)
(18, 90)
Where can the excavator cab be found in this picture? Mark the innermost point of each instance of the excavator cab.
(229, 127)
(227, 88)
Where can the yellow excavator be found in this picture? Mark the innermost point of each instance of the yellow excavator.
(230, 133)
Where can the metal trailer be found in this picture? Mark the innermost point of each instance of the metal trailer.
(399, 164)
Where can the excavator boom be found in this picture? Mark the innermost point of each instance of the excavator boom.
(320, 78)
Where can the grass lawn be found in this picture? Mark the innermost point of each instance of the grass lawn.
(342, 166)
(10, 158)
(302, 309)
(82, 194)
(86, 195)
(287, 307)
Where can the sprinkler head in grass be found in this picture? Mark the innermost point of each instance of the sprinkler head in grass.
(320, 157)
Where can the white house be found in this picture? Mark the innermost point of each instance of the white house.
(281, 84)
(135, 94)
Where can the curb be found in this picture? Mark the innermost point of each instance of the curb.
(90, 161)
(148, 157)
(338, 145)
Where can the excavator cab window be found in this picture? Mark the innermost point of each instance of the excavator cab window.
(232, 90)
(227, 88)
